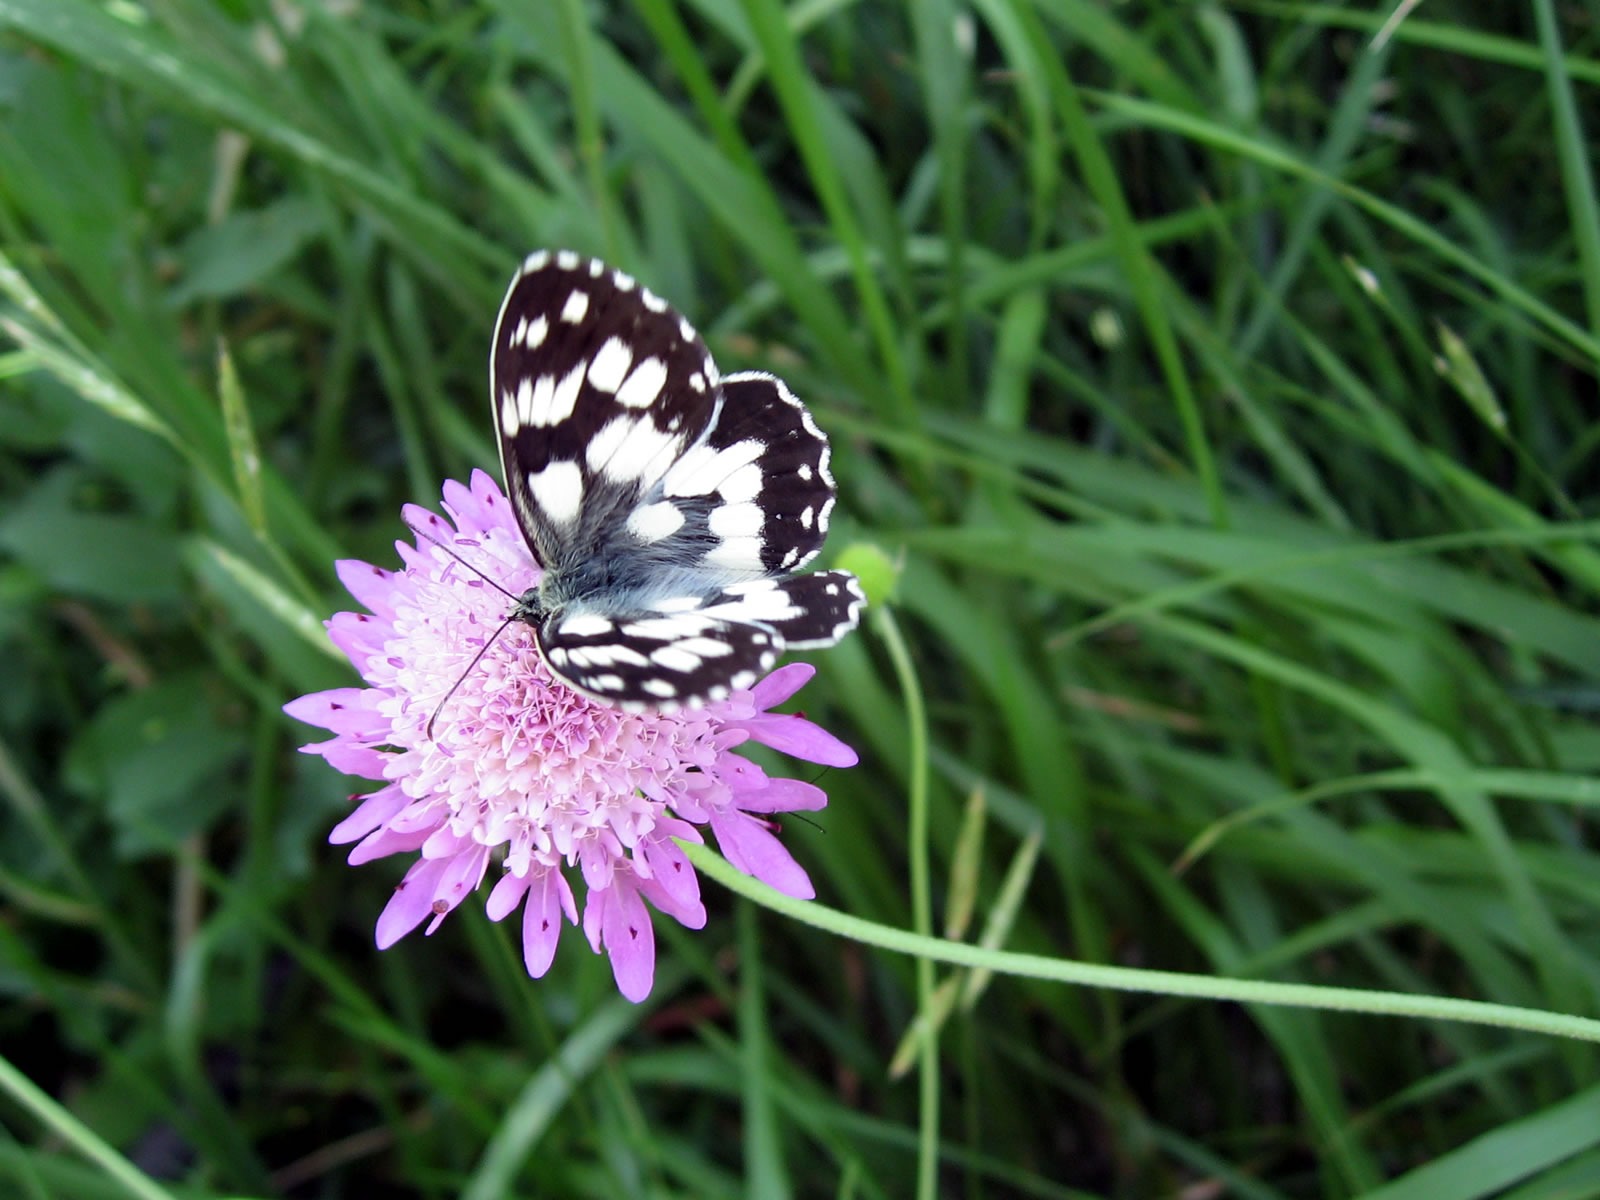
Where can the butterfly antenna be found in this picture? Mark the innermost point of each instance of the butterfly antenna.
(423, 533)
(454, 687)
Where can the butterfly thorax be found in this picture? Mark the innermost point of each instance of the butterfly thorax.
(611, 585)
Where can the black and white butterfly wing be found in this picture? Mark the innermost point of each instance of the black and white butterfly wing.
(680, 655)
(660, 660)
(806, 612)
(598, 387)
(667, 506)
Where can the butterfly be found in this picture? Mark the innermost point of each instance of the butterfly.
(668, 505)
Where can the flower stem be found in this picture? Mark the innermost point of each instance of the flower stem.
(1139, 979)
(888, 629)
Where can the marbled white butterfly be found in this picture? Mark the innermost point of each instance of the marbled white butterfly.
(667, 504)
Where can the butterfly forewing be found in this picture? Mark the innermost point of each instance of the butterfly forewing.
(666, 506)
(598, 386)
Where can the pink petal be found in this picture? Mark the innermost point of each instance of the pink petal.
(541, 921)
(463, 873)
(373, 811)
(431, 523)
(359, 636)
(383, 842)
(340, 710)
(372, 586)
(445, 842)
(458, 499)
(783, 795)
(361, 761)
(740, 774)
(781, 684)
(506, 894)
(412, 901)
(746, 844)
(673, 886)
(796, 736)
(625, 932)
(496, 511)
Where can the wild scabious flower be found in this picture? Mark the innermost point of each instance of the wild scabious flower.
(524, 773)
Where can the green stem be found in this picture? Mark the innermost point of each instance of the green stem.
(76, 1134)
(1133, 979)
(921, 898)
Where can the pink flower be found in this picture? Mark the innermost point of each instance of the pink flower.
(523, 772)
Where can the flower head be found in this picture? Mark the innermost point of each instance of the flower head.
(522, 771)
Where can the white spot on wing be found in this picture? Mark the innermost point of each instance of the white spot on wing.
(586, 625)
(558, 491)
(533, 403)
(703, 470)
(530, 333)
(652, 522)
(610, 365)
(706, 647)
(659, 687)
(535, 261)
(605, 655)
(567, 260)
(652, 301)
(644, 384)
(806, 517)
(668, 629)
(576, 307)
(566, 396)
(509, 422)
(737, 554)
(743, 485)
(736, 520)
(751, 604)
(675, 658)
(674, 604)
(629, 450)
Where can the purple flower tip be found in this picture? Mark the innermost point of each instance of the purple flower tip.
(522, 771)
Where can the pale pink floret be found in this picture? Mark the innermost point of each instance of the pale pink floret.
(529, 779)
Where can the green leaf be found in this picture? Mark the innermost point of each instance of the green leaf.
(158, 757)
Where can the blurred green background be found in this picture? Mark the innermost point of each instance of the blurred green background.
(1222, 375)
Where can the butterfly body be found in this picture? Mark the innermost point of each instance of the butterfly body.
(668, 505)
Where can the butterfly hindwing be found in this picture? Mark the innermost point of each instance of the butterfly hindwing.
(805, 611)
(759, 481)
(658, 660)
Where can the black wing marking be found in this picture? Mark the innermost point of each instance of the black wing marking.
(598, 386)
(751, 499)
(660, 661)
(805, 611)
